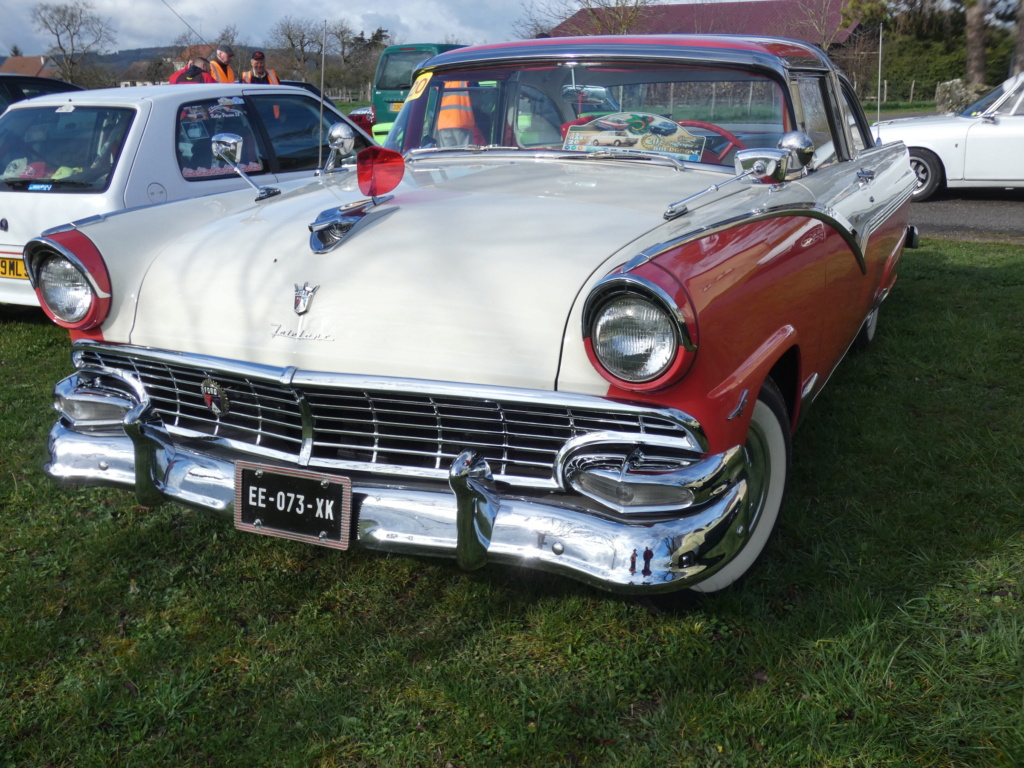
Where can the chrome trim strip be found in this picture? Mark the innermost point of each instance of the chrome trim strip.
(810, 210)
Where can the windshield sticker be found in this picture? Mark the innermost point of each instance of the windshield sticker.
(66, 108)
(635, 130)
(419, 86)
(40, 187)
(228, 100)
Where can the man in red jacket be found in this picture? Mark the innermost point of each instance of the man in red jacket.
(198, 71)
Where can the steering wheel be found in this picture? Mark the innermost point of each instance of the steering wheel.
(731, 140)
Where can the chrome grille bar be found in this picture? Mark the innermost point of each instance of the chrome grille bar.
(387, 427)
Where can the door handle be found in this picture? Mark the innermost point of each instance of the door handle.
(864, 175)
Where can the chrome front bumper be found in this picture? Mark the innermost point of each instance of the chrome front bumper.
(109, 434)
(470, 521)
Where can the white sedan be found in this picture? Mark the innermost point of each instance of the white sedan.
(68, 156)
(977, 147)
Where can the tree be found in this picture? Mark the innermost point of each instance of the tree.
(77, 33)
(581, 17)
(975, 41)
(16, 51)
(301, 41)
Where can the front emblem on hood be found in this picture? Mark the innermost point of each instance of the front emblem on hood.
(215, 397)
(303, 297)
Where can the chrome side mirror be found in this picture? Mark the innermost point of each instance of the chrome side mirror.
(768, 166)
(800, 145)
(342, 142)
(227, 147)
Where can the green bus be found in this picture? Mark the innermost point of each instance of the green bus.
(393, 80)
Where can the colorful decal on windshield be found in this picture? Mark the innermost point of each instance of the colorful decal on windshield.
(635, 130)
(419, 86)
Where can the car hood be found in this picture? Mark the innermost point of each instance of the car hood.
(890, 130)
(468, 273)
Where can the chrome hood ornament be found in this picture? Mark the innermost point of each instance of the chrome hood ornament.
(303, 297)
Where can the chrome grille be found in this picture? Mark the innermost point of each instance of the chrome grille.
(407, 431)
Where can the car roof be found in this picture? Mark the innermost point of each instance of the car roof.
(773, 52)
(157, 94)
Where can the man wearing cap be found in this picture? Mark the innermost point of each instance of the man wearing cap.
(259, 72)
(220, 65)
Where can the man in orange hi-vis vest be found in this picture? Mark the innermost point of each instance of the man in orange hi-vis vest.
(220, 65)
(259, 72)
(455, 121)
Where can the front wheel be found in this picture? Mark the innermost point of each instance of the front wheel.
(928, 169)
(768, 450)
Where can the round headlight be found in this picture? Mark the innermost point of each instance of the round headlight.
(65, 289)
(635, 339)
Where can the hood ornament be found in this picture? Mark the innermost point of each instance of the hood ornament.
(303, 297)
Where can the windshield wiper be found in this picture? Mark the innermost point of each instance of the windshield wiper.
(464, 148)
(631, 154)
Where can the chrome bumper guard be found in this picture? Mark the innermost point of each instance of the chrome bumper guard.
(472, 521)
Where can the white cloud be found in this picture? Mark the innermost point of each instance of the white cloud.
(145, 23)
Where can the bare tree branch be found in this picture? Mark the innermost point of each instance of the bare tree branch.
(77, 32)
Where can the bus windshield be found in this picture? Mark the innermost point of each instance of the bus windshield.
(394, 76)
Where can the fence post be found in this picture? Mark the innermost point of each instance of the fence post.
(912, 84)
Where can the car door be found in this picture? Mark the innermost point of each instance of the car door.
(295, 127)
(855, 186)
(993, 150)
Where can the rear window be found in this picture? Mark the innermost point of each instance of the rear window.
(67, 148)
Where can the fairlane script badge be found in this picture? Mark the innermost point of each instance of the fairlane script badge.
(303, 297)
(214, 396)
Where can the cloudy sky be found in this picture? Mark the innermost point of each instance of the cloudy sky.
(144, 23)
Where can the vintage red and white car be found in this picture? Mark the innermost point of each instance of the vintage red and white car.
(494, 341)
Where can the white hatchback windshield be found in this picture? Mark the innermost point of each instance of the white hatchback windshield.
(698, 114)
(66, 148)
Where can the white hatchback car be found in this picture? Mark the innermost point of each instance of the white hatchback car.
(977, 147)
(68, 156)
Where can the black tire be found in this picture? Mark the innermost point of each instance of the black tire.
(769, 453)
(868, 331)
(930, 174)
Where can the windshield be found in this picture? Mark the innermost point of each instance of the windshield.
(699, 114)
(69, 147)
(396, 69)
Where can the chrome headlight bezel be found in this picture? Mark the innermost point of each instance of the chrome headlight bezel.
(634, 331)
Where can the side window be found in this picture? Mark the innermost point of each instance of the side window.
(199, 122)
(296, 129)
(1014, 105)
(812, 119)
(858, 127)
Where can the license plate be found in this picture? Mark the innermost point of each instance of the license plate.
(293, 504)
(396, 106)
(13, 268)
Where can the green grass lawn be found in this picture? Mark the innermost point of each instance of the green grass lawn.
(885, 627)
